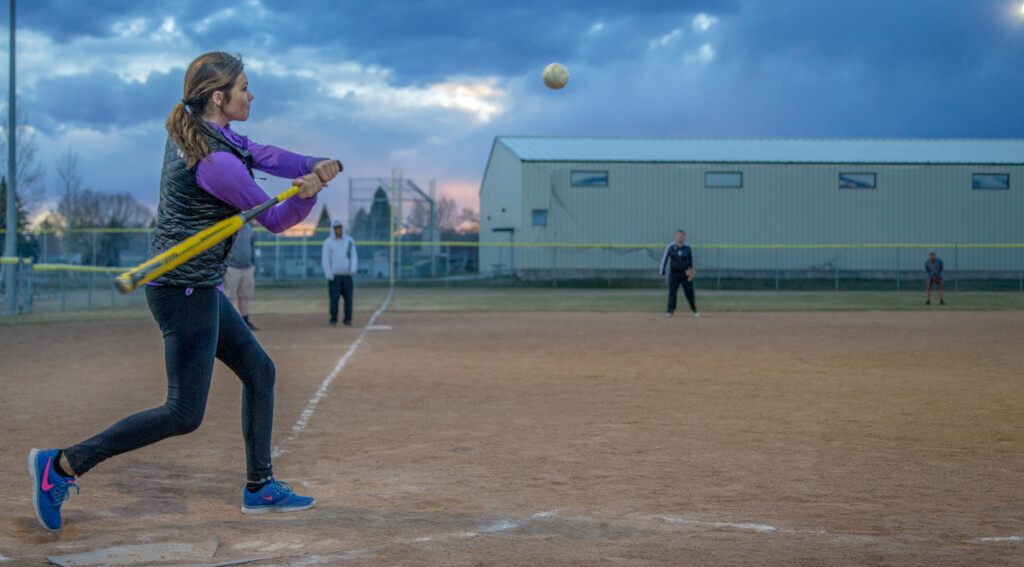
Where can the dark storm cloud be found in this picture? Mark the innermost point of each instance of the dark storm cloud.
(425, 41)
(102, 101)
(64, 21)
(421, 40)
(904, 34)
(874, 68)
(67, 20)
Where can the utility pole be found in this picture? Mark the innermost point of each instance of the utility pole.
(11, 240)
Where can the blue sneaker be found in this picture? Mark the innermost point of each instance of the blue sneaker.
(49, 488)
(274, 497)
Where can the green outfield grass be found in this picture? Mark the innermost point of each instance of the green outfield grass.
(280, 299)
(653, 300)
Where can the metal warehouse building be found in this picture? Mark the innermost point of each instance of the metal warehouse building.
(859, 205)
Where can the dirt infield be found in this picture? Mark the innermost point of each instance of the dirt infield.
(552, 438)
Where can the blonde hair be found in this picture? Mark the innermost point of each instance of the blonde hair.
(207, 74)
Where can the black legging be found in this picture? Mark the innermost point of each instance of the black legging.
(197, 325)
(340, 286)
(676, 279)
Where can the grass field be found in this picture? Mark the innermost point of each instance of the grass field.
(416, 299)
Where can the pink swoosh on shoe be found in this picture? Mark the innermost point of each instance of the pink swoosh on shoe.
(46, 475)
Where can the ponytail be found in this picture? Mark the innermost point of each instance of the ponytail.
(207, 74)
(184, 128)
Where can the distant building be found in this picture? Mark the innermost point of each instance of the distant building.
(740, 194)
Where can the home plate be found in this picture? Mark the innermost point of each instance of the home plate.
(378, 327)
(199, 555)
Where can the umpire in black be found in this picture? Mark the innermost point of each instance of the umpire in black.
(678, 259)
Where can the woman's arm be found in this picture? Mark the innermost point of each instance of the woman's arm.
(271, 159)
(279, 162)
(224, 176)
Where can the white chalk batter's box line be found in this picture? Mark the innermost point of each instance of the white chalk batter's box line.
(307, 413)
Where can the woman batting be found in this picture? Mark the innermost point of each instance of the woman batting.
(206, 177)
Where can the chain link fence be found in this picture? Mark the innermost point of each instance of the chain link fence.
(75, 271)
(981, 267)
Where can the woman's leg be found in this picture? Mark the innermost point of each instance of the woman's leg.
(189, 321)
(240, 351)
(243, 354)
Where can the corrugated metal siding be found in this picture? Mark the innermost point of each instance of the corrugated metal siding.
(501, 189)
(779, 204)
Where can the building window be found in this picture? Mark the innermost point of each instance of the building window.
(856, 180)
(590, 179)
(990, 181)
(723, 179)
(539, 217)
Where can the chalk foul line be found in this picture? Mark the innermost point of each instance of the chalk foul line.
(307, 413)
(766, 529)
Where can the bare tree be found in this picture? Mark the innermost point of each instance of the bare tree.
(69, 192)
(69, 186)
(79, 207)
(29, 179)
(118, 211)
(446, 214)
(419, 216)
(29, 188)
(447, 217)
(469, 221)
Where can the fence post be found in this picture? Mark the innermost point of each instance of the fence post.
(554, 266)
(30, 279)
(90, 288)
(718, 268)
(93, 252)
(277, 256)
(837, 274)
(897, 268)
(305, 269)
(44, 247)
(112, 296)
(776, 269)
(609, 253)
(63, 296)
(956, 267)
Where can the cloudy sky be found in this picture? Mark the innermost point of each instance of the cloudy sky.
(426, 85)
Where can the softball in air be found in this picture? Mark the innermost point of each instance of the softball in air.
(555, 76)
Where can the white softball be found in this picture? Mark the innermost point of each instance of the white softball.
(555, 76)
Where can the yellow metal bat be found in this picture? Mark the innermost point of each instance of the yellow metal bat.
(192, 246)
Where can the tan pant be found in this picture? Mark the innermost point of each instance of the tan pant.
(240, 283)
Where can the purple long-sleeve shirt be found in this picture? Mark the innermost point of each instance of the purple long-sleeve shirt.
(224, 176)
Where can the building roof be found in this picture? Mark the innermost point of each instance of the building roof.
(766, 150)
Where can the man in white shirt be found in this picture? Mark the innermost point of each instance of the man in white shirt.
(340, 262)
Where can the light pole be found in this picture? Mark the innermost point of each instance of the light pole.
(11, 240)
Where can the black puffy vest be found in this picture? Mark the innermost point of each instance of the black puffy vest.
(186, 208)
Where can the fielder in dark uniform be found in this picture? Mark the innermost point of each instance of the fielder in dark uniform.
(678, 258)
(933, 267)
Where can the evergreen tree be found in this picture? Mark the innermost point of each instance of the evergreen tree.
(28, 245)
(323, 225)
